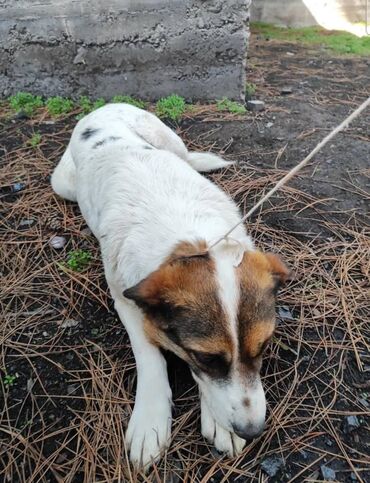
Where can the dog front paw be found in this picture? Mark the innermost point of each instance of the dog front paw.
(149, 432)
(224, 441)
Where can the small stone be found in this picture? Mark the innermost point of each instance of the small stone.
(30, 384)
(255, 106)
(350, 423)
(45, 334)
(20, 116)
(26, 223)
(57, 242)
(18, 187)
(269, 124)
(68, 323)
(80, 56)
(285, 91)
(327, 473)
(71, 388)
(329, 442)
(290, 54)
(272, 465)
(285, 313)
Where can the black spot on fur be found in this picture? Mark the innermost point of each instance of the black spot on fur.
(88, 132)
(147, 147)
(106, 140)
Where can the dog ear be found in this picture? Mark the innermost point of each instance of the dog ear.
(279, 270)
(148, 292)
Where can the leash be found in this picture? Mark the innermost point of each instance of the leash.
(297, 168)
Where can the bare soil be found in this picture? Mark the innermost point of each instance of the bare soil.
(65, 413)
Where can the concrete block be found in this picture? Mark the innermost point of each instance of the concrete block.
(146, 48)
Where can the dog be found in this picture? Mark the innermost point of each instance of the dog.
(155, 217)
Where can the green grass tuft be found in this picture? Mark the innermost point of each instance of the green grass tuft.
(336, 41)
(59, 105)
(171, 107)
(250, 89)
(88, 105)
(231, 106)
(35, 140)
(78, 260)
(26, 102)
(129, 100)
(10, 379)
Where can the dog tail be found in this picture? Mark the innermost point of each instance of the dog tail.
(204, 162)
(63, 179)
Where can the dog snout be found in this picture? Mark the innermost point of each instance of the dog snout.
(248, 432)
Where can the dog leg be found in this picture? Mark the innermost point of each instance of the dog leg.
(223, 440)
(149, 430)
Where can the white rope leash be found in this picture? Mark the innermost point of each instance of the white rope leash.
(299, 166)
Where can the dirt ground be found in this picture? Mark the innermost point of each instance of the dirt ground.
(66, 409)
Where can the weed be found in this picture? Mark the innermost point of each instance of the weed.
(34, 140)
(129, 100)
(59, 105)
(250, 89)
(172, 107)
(9, 379)
(88, 106)
(26, 102)
(336, 41)
(230, 106)
(78, 260)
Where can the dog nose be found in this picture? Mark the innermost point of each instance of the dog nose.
(248, 432)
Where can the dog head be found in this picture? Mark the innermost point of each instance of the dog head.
(219, 318)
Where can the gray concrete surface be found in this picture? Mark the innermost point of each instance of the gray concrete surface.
(147, 48)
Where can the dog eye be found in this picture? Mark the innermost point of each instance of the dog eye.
(208, 359)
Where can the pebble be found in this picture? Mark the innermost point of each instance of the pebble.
(68, 323)
(350, 424)
(285, 91)
(269, 124)
(327, 473)
(57, 242)
(272, 465)
(18, 187)
(20, 116)
(45, 334)
(290, 53)
(285, 313)
(255, 106)
(26, 223)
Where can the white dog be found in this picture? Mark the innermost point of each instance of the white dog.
(155, 218)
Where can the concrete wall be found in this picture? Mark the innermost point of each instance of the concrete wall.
(148, 48)
(331, 14)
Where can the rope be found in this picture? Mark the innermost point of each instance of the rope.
(297, 168)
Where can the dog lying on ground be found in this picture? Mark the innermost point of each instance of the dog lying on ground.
(155, 217)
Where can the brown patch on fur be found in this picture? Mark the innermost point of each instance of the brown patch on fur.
(259, 274)
(246, 402)
(181, 303)
(256, 337)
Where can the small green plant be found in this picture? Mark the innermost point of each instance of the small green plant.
(230, 106)
(335, 41)
(129, 100)
(250, 89)
(88, 105)
(35, 139)
(9, 379)
(171, 107)
(78, 260)
(59, 105)
(26, 102)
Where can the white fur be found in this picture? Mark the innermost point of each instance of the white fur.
(140, 196)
